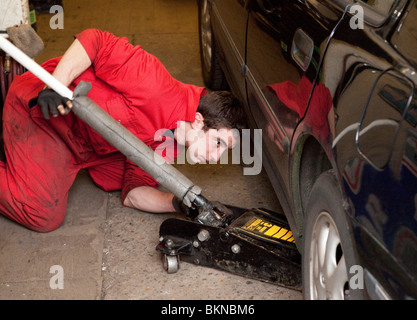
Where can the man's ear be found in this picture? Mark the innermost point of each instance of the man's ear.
(198, 123)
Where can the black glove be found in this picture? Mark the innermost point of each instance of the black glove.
(179, 206)
(49, 100)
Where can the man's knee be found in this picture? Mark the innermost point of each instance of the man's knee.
(47, 226)
(44, 220)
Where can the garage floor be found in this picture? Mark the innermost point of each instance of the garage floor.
(107, 251)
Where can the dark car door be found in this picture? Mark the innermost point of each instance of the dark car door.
(375, 142)
(284, 43)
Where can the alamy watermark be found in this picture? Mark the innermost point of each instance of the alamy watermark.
(356, 281)
(57, 20)
(246, 150)
(57, 280)
(357, 20)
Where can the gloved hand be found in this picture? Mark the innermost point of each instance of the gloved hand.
(49, 101)
(179, 206)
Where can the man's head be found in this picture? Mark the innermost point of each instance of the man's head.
(220, 110)
(218, 121)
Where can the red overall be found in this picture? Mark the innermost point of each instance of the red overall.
(44, 156)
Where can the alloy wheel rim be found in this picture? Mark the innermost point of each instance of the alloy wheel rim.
(327, 267)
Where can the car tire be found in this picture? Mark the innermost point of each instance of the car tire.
(328, 253)
(213, 75)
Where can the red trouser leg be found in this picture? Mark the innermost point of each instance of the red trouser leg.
(107, 171)
(39, 172)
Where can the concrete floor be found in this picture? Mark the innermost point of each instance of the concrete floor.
(107, 251)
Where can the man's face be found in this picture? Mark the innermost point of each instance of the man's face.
(204, 146)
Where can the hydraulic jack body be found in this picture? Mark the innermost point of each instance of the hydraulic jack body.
(255, 243)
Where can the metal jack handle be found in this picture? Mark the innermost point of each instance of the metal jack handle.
(212, 213)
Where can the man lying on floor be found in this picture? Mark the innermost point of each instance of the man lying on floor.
(44, 153)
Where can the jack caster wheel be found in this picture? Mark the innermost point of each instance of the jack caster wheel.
(171, 263)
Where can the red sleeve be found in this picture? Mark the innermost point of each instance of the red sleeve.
(115, 60)
(90, 39)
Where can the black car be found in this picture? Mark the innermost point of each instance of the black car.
(331, 83)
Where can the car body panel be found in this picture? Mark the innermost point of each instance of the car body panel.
(375, 152)
(329, 96)
(286, 45)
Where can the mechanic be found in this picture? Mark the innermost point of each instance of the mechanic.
(44, 153)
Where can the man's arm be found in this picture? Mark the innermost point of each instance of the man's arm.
(149, 199)
(74, 62)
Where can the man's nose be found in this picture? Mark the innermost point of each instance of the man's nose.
(215, 155)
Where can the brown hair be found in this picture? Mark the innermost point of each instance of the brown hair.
(221, 109)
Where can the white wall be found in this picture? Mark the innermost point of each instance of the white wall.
(13, 12)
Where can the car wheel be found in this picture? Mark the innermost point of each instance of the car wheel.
(327, 244)
(213, 75)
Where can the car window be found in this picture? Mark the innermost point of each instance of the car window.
(375, 12)
(383, 7)
(405, 37)
(388, 104)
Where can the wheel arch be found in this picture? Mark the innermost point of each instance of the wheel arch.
(309, 161)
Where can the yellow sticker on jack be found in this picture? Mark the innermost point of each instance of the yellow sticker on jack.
(267, 229)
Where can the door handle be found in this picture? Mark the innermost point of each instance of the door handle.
(302, 49)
